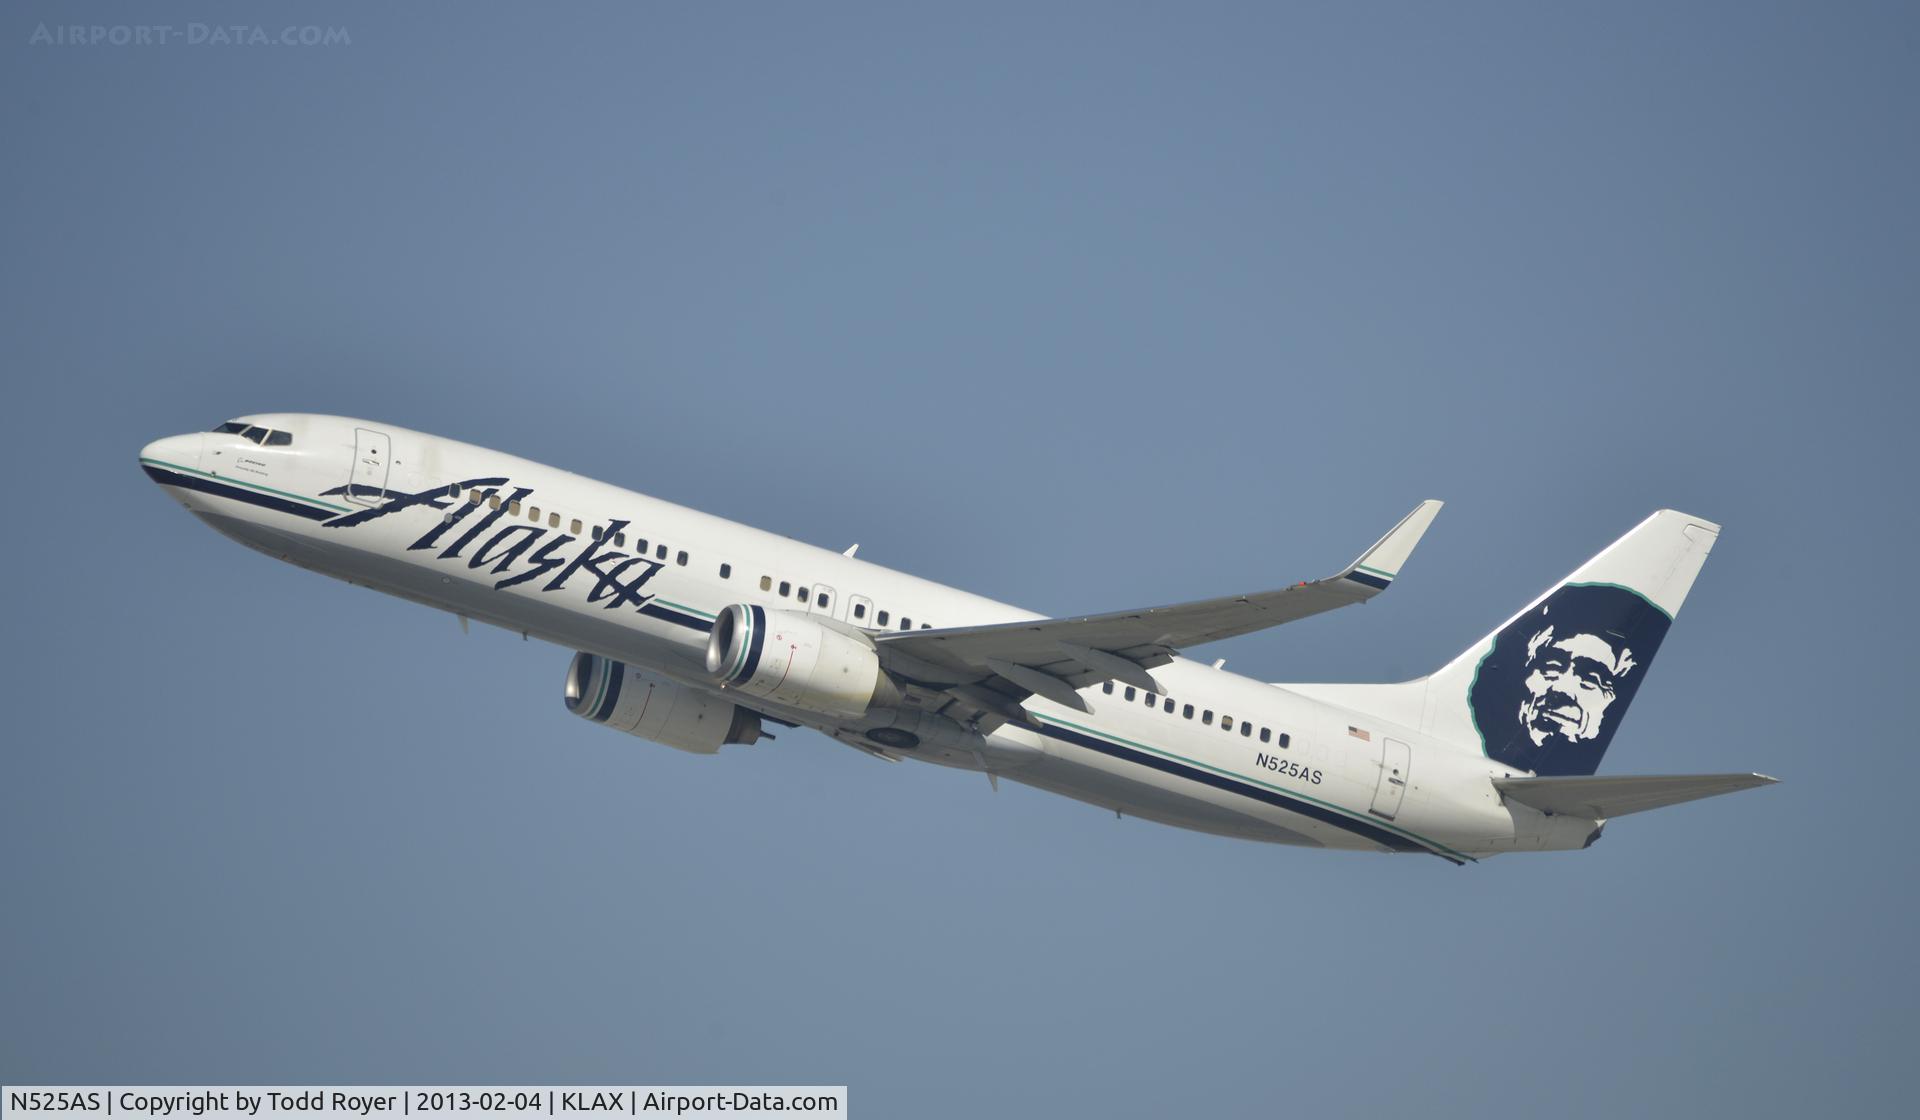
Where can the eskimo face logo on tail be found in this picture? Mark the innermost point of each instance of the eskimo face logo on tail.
(1552, 691)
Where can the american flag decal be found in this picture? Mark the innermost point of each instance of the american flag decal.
(1359, 734)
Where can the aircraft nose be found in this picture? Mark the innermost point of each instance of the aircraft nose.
(172, 451)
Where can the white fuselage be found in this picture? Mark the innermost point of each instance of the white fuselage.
(372, 504)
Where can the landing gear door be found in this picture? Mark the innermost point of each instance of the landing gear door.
(372, 455)
(1395, 760)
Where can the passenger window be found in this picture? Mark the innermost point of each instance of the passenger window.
(1246, 730)
(493, 501)
(513, 509)
(859, 610)
(766, 583)
(1206, 717)
(1107, 687)
(906, 624)
(1132, 692)
(926, 626)
(1152, 699)
(1286, 740)
(476, 497)
(821, 601)
(680, 559)
(1169, 707)
(640, 545)
(596, 532)
(553, 521)
(576, 526)
(1226, 723)
(660, 552)
(1187, 711)
(726, 571)
(786, 589)
(533, 513)
(279, 439)
(1266, 734)
(620, 540)
(801, 595)
(881, 618)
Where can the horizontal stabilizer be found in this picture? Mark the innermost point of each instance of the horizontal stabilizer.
(1599, 798)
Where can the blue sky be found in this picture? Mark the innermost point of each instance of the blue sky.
(1078, 306)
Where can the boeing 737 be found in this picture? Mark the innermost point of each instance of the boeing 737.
(697, 632)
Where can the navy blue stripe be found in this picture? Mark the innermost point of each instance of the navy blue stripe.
(619, 672)
(1320, 813)
(1370, 580)
(222, 490)
(759, 641)
(665, 614)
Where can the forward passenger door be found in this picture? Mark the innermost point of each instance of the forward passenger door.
(372, 459)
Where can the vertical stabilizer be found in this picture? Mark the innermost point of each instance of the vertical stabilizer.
(1548, 689)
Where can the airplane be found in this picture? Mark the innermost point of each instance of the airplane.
(697, 632)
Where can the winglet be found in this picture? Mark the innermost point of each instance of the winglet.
(1378, 565)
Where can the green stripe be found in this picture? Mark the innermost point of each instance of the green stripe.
(684, 607)
(1371, 820)
(232, 481)
(1373, 571)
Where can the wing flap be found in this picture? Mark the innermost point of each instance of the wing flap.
(1599, 797)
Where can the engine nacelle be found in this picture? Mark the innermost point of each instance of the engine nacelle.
(654, 707)
(793, 659)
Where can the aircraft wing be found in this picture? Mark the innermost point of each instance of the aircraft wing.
(1598, 797)
(995, 667)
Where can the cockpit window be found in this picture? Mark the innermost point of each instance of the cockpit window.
(256, 433)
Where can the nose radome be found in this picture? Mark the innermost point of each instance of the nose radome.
(173, 451)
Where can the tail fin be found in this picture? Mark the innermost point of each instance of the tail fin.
(1548, 689)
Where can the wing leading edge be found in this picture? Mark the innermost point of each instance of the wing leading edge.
(995, 667)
